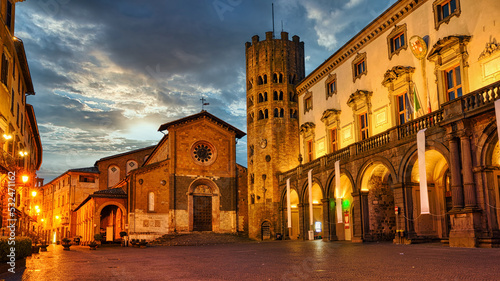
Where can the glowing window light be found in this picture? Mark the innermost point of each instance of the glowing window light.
(54, 239)
(345, 204)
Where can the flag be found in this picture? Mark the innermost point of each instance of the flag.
(409, 108)
(424, 196)
(309, 187)
(338, 202)
(497, 113)
(288, 207)
(415, 98)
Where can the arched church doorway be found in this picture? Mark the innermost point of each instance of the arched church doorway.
(202, 208)
(111, 222)
(266, 230)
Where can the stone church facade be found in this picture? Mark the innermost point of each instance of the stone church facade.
(190, 182)
(422, 64)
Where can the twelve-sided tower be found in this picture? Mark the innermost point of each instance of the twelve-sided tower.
(274, 67)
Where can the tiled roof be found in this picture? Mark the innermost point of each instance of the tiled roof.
(112, 191)
(85, 170)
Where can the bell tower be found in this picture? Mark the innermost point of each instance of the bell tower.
(273, 69)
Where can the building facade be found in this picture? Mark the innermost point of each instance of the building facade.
(190, 182)
(274, 67)
(420, 65)
(105, 210)
(20, 145)
(61, 196)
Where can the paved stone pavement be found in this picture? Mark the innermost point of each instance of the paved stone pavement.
(276, 260)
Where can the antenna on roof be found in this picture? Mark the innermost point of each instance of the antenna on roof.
(272, 7)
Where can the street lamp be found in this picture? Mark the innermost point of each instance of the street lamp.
(33, 193)
(23, 153)
(7, 137)
(25, 178)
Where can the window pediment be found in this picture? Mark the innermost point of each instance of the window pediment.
(446, 44)
(359, 100)
(307, 128)
(330, 116)
(396, 73)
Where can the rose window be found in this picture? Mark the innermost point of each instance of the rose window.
(202, 153)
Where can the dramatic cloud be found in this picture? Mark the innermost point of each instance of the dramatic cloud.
(108, 73)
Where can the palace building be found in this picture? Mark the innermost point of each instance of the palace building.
(343, 140)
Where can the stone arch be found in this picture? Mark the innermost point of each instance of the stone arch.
(295, 231)
(98, 218)
(412, 152)
(330, 182)
(266, 229)
(318, 208)
(437, 224)
(198, 191)
(374, 183)
(486, 144)
(370, 162)
(303, 194)
(341, 204)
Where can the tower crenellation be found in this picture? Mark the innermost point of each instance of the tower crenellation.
(274, 67)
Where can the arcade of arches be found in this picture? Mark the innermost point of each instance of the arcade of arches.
(362, 208)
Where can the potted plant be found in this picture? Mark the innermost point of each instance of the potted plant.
(43, 246)
(66, 243)
(98, 238)
(93, 245)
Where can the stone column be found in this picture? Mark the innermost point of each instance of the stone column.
(408, 211)
(302, 229)
(469, 188)
(457, 191)
(326, 219)
(365, 215)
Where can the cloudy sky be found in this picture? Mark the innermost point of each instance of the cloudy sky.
(108, 73)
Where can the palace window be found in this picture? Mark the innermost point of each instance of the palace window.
(451, 63)
(292, 97)
(453, 83)
(293, 113)
(444, 10)
(396, 40)
(308, 102)
(333, 140)
(359, 66)
(279, 112)
(309, 147)
(403, 108)
(331, 85)
(363, 126)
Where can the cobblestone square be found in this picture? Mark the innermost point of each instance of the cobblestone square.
(278, 260)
